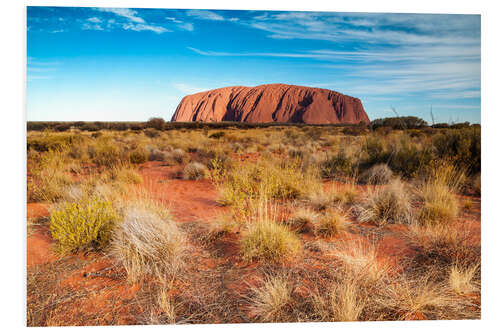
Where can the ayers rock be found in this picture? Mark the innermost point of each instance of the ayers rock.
(271, 103)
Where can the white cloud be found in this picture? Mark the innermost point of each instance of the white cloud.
(144, 27)
(135, 22)
(205, 15)
(173, 19)
(186, 26)
(123, 12)
(88, 26)
(181, 24)
(94, 20)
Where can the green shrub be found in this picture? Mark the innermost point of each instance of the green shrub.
(217, 135)
(53, 142)
(462, 146)
(83, 226)
(106, 154)
(399, 122)
(156, 123)
(407, 159)
(337, 165)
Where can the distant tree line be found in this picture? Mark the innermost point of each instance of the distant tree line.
(156, 123)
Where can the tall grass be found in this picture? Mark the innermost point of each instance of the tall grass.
(266, 178)
(437, 192)
(267, 239)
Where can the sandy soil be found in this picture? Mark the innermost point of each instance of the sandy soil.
(95, 292)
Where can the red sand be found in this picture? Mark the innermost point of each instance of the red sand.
(108, 298)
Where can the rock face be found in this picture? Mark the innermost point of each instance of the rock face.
(271, 103)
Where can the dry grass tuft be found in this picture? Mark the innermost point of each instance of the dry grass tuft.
(359, 260)
(321, 200)
(378, 174)
(331, 223)
(440, 204)
(267, 239)
(461, 278)
(301, 218)
(148, 242)
(271, 300)
(166, 305)
(437, 192)
(195, 171)
(444, 243)
(179, 155)
(347, 301)
(391, 204)
(417, 298)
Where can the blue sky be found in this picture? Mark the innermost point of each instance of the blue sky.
(133, 64)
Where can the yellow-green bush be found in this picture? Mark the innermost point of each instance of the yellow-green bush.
(123, 174)
(83, 226)
(106, 154)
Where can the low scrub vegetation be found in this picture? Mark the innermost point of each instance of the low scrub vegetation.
(83, 226)
(292, 224)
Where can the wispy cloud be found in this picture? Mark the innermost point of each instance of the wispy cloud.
(205, 15)
(371, 28)
(94, 20)
(188, 88)
(90, 26)
(181, 24)
(123, 12)
(133, 21)
(145, 27)
(38, 70)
